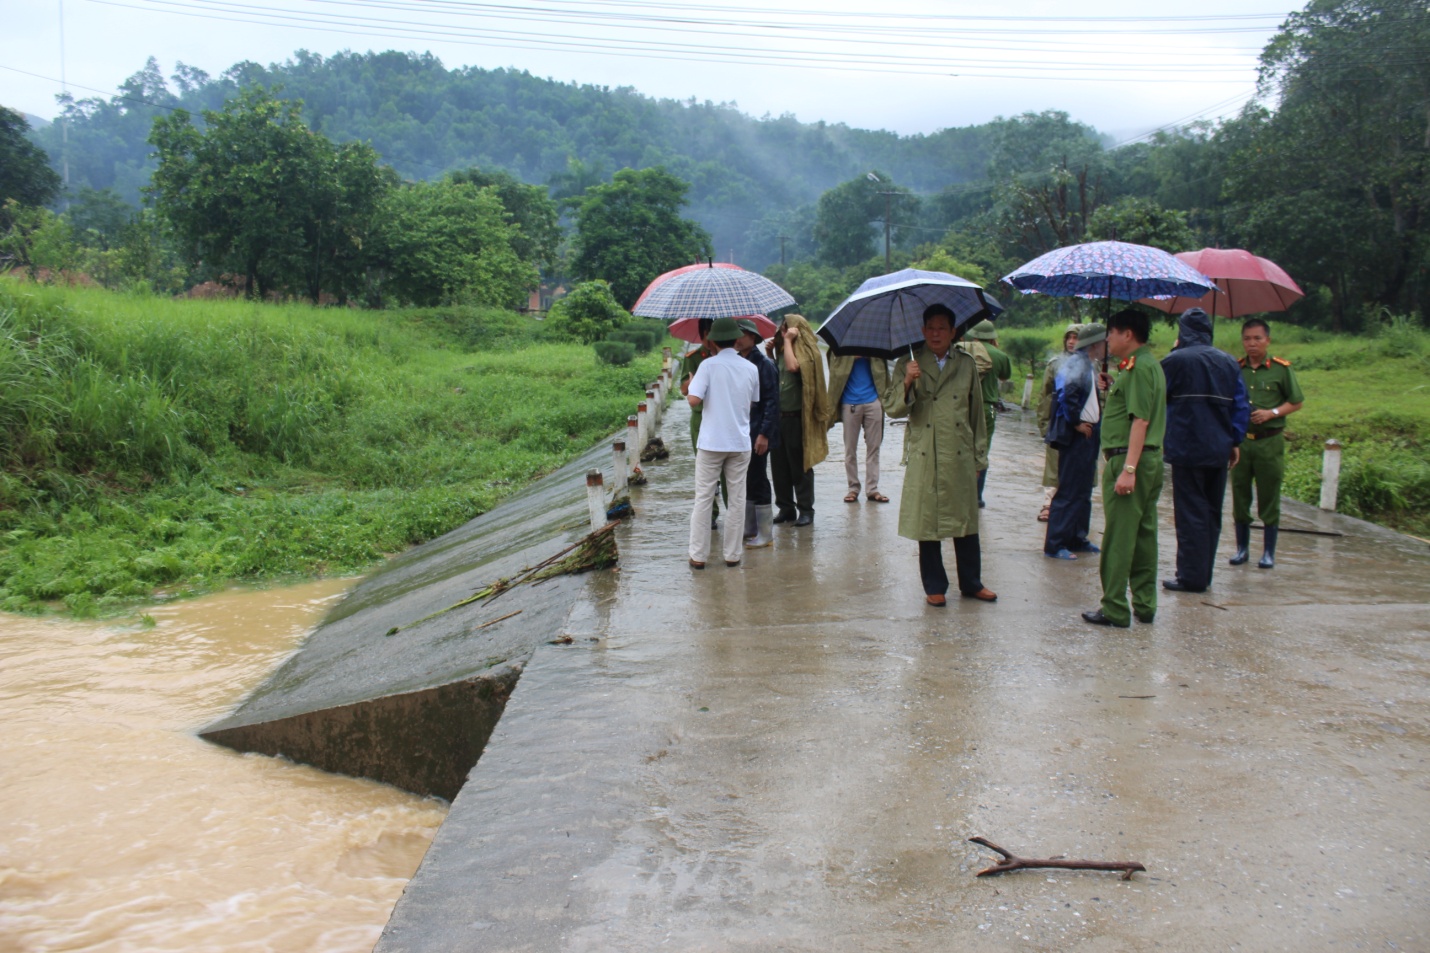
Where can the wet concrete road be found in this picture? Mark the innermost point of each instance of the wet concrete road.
(791, 755)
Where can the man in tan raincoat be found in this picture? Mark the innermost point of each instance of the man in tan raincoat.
(945, 446)
(804, 410)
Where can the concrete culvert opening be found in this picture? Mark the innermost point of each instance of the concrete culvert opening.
(406, 680)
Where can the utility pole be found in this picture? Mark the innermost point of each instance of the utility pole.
(64, 126)
(888, 215)
(783, 239)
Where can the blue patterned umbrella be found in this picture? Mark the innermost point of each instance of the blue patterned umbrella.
(885, 316)
(1110, 270)
(713, 293)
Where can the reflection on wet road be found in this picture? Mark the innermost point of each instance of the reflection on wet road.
(121, 831)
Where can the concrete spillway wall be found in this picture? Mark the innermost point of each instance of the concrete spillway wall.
(402, 684)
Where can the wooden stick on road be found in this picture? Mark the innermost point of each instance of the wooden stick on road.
(1012, 862)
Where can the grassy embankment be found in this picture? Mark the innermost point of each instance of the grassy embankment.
(152, 447)
(1372, 393)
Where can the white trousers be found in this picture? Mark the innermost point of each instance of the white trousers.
(709, 466)
(868, 419)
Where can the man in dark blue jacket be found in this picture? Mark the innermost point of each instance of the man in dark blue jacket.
(1207, 415)
(764, 434)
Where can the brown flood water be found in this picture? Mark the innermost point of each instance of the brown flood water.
(120, 830)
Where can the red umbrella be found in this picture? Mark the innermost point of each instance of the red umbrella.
(680, 271)
(1248, 284)
(688, 329)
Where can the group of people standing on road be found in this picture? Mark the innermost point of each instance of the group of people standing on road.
(1198, 410)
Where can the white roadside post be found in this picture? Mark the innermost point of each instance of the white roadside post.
(666, 359)
(633, 444)
(642, 424)
(618, 467)
(1330, 475)
(1027, 391)
(652, 394)
(596, 499)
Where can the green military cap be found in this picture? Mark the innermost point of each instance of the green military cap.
(724, 331)
(1073, 328)
(983, 331)
(746, 324)
(1090, 334)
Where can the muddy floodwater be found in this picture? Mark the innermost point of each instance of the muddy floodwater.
(122, 831)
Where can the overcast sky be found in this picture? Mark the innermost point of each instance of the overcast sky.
(1125, 66)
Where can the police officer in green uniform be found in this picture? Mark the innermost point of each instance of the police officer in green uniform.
(1271, 386)
(1133, 424)
(688, 365)
(1002, 370)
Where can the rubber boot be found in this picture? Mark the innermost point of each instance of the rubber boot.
(764, 527)
(982, 478)
(1243, 544)
(1268, 551)
(750, 528)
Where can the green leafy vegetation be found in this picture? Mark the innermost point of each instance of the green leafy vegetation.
(149, 445)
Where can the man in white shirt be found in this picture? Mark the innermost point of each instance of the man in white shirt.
(723, 388)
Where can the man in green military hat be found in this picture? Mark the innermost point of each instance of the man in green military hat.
(1002, 370)
(1134, 422)
(1274, 394)
(1046, 400)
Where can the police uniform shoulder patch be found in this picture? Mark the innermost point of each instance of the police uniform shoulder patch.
(1282, 361)
(1242, 362)
(1128, 363)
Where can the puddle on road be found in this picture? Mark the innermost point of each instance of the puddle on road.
(122, 831)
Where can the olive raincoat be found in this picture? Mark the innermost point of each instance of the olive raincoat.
(816, 401)
(945, 446)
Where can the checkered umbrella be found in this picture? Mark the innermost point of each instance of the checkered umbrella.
(1109, 270)
(713, 293)
(885, 316)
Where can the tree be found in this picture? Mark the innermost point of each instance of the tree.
(25, 173)
(630, 230)
(445, 243)
(529, 207)
(1335, 182)
(587, 314)
(845, 216)
(37, 239)
(260, 194)
(1142, 222)
(99, 217)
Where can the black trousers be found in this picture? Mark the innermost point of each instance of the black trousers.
(1197, 497)
(967, 556)
(757, 480)
(793, 483)
(1070, 516)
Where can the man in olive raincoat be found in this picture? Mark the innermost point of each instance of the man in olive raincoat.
(945, 446)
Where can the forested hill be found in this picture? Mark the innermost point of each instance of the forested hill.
(426, 120)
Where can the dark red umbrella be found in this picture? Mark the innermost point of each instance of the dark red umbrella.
(683, 269)
(1248, 284)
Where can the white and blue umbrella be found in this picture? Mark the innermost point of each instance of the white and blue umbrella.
(713, 293)
(1110, 270)
(885, 316)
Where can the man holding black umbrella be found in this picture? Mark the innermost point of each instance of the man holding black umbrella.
(946, 445)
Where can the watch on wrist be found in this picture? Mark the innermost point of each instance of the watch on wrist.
(1129, 468)
(1276, 411)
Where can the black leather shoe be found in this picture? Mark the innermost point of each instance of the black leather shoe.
(1097, 618)
(1176, 585)
(784, 516)
(804, 519)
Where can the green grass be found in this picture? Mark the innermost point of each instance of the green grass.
(153, 446)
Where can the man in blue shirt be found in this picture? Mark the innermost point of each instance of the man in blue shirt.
(858, 385)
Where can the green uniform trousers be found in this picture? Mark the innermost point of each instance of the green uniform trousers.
(695, 418)
(1129, 539)
(1263, 462)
